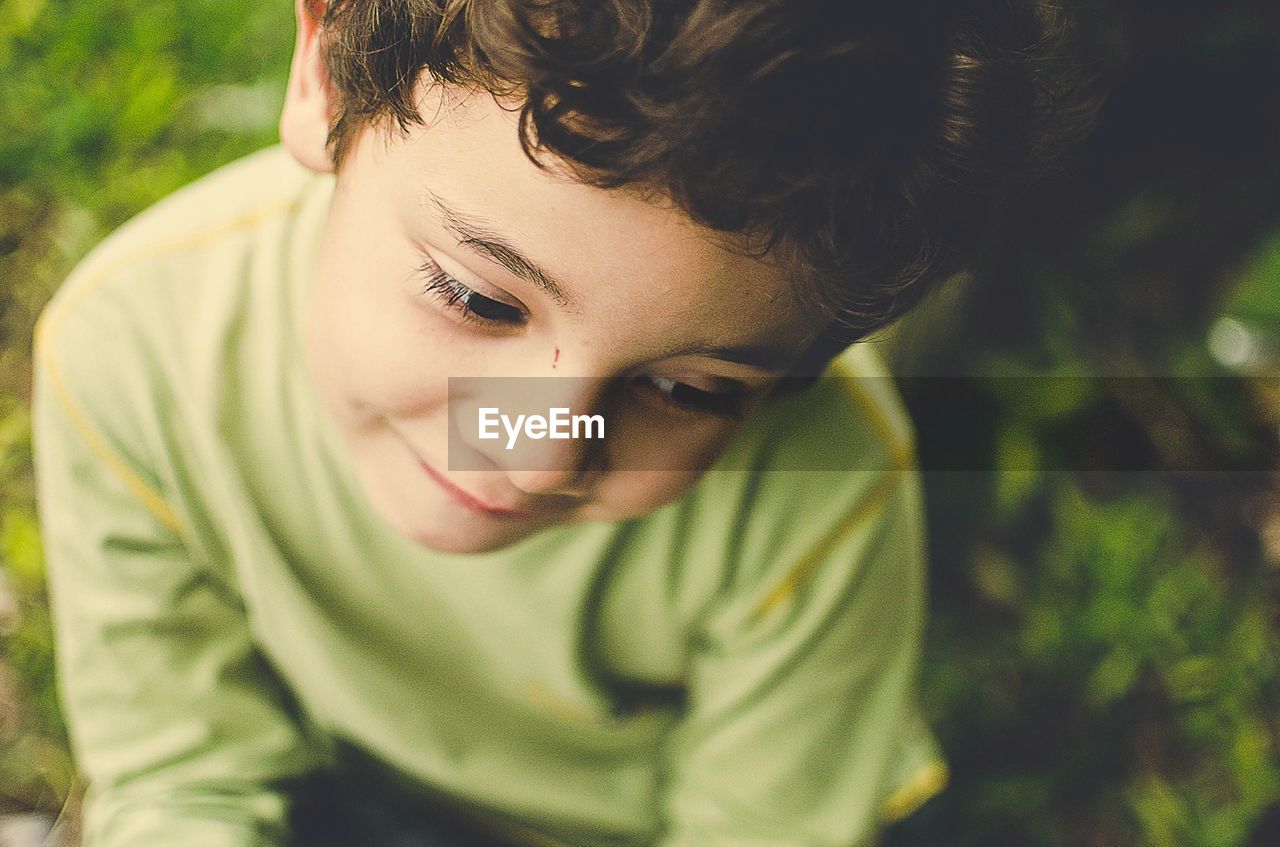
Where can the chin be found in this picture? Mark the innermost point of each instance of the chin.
(462, 542)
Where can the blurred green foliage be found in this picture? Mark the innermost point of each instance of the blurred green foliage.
(1104, 659)
(106, 107)
(1102, 662)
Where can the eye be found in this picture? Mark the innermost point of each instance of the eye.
(672, 393)
(468, 303)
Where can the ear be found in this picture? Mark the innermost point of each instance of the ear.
(304, 122)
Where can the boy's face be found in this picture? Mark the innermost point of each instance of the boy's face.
(455, 215)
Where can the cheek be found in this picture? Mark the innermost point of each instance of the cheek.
(656, 465)
(377, 346)
(383, 348)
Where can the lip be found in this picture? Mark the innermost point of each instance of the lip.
(473, 503)
(460, 496)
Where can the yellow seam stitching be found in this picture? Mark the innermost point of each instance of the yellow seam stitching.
(901, 455)
(915, 792)
(547, 700)
(801, 570)
(48, 324)
(901, 451)
(44, 326)
(150, 499)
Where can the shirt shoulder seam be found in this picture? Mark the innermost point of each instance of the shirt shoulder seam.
(901, 449)
(922, 786)
(901, 455)
(46, 331)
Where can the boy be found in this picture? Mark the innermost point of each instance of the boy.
(285, 611)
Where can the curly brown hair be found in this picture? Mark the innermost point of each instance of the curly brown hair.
(864, 144)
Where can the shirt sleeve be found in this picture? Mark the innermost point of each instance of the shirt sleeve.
(177, 724)
(802, 729)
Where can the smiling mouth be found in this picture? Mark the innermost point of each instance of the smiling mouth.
(462, 497)
(470, 501)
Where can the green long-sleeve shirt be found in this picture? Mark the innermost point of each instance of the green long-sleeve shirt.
(735, 668)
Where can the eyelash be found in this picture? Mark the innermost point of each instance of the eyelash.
(457, 297)
(721, 404)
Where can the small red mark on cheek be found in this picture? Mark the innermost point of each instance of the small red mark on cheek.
(556, 358)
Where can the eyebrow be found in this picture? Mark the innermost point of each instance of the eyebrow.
(766, 357)
(479, 236)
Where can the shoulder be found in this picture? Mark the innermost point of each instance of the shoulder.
(850, 419)
(231, 199)
(183, 240)
(143, 318)
(817, 484)
(822, 447)
(133, 297)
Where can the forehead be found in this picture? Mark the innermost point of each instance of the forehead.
(625, 259)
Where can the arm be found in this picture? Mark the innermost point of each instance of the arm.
(175, 720)
(802, 730)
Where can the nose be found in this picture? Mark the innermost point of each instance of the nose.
(545, 433)
(569, 471)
